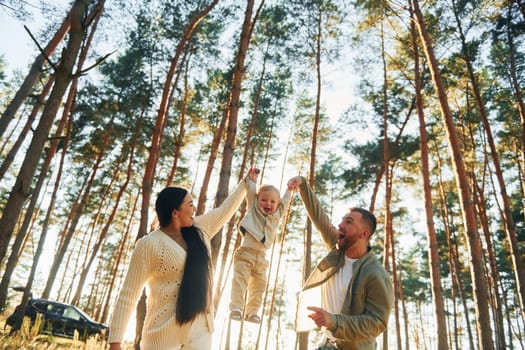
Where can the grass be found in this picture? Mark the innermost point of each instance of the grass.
(28, 338)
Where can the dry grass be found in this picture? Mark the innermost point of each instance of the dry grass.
(29, 339)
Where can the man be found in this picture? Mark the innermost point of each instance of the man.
(356, 291)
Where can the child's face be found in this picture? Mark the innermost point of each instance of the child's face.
(268, 201)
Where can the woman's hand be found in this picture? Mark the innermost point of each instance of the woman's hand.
(253, 174)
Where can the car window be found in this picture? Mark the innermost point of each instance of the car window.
(84, 315)
(40, 306)
(69, 312)
(55, 309)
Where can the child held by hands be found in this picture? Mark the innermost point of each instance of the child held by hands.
(265, 207)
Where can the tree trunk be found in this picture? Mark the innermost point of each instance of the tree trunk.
(156, 142)
(520, 104)
(388, 167)
(36, 68)
(103, 234)
(23, 230)
(97, 291)
(105, 230)
(433, 254)
(455, 270)
(66, 239)
(34, 72)
(217, 137)
(509, 226)
(69, 107)
(307, 266)
(162, 116)
(248, 141)
(231, 130)
(244, 161)
(40, 102)
(63, 76)
(485, 340)
(516, 255)
(123, 246)
(405, 316)
(52, 200)
(493, 274)
(179, 139)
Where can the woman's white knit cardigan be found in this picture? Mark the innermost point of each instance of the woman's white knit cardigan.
(157, 263)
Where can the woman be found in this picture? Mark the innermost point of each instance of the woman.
(173, 263)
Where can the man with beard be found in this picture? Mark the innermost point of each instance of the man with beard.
(356, 291)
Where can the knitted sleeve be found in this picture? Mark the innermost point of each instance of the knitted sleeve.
(251, 188)
(287, 198)
(131, 291)
(211, 222)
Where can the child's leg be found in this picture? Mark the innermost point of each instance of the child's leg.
(257, 285)
(243, 262)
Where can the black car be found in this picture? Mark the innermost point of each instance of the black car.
(61, 319)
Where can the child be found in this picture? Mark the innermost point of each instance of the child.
(265, 209)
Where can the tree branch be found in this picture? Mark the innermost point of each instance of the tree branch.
(40, 48)
(99, 61)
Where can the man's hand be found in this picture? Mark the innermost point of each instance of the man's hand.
(114, 346)
(294, 183)
(320, 317)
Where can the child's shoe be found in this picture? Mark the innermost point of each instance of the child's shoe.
(253, 318)
(236, 315)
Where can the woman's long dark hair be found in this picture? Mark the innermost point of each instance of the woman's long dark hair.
(195, 288)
